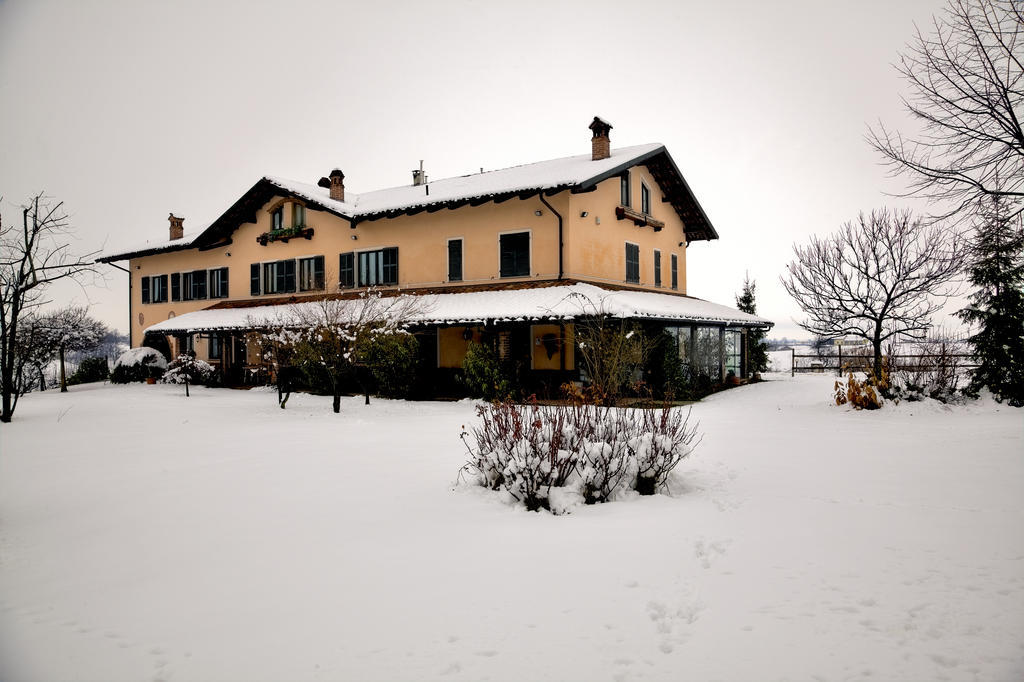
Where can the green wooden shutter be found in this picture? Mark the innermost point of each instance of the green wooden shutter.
(145, 289)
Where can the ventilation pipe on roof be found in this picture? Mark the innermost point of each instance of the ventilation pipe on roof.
(418, 176)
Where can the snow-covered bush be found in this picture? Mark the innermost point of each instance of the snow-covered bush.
(536, 452)
(138, 364)
(195, 370)
(666, 439)
(935, 373)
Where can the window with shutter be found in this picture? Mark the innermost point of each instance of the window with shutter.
(145, 289)
(254, 279)
(675, 271)
(624, 193)
(514, 254)
(657, 268)
(378, 268)
(176, 286)
(454, 260)
(219, 283)
(198, 278)
(346, 270)
(311, 274)
(632, 263)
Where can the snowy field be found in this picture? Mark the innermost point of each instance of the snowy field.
(146, 536)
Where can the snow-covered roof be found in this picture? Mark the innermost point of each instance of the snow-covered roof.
(577, 172)
(564, 172)
(560, 302)
(152, 246)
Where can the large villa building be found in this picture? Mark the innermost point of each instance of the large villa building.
(509, 256)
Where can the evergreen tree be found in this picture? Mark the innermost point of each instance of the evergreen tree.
(757, 349)
(996, 307)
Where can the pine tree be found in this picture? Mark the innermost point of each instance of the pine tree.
(757, 353)
(996, 307)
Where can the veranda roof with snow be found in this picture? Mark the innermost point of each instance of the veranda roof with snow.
(560, 302)
(575, 173)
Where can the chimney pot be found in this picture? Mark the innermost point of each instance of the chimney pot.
(600, 143)
(337, 179)
(177, 226)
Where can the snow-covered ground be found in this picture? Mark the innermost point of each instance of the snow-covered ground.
(149, 536)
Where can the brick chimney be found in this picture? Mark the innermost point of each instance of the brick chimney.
(600, 143)
(337, 185)
(177, 226)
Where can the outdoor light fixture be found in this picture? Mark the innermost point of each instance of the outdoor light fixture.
(538, 213)
(228, 254)
(355, 237)
(584, 214)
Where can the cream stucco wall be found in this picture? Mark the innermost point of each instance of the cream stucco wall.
(594, 246)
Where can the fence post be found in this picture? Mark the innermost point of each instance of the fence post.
(839, 368)
(792, 362)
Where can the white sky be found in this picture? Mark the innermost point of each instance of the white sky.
(129, 110)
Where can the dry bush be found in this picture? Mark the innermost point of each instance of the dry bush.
(595, 452)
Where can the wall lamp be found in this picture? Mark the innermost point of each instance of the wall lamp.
(584, 214)
(228, 254)
(355, 237)
(538, 213)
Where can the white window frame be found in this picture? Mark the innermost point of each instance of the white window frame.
(298, 272)
(355, 263)
(644, 187)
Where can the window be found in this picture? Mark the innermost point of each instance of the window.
(675, 271)
(378, 267)
(298, 215)
(657, 268)
(624, 193)
(254, 279)
(176, 286)
(682, 339)
(154, 289)
(632, 263)
(279, 277)
(277, 218)
(160, 289)
(219, 283)
(514, 254)
(311, 273)
(645, 198)
(707, 352)
(346, 270)
(733, 346)
(454, 260)
(215, 348)
(193, 285)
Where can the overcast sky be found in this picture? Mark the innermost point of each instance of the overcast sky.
(127, 111)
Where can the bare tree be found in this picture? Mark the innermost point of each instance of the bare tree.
(877, 278)
(32, 256)
(611, 349)
(966, 83)
(336, 334)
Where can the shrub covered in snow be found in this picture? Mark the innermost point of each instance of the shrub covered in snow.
(537, 452)
(138, 364)
(195, 370)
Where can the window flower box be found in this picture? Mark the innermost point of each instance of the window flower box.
(285, 234)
